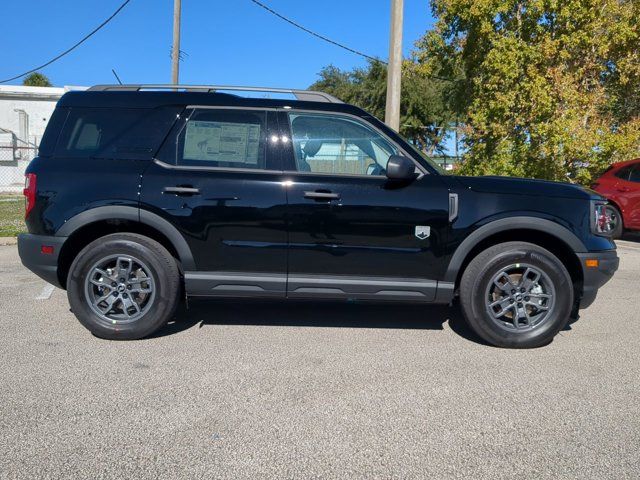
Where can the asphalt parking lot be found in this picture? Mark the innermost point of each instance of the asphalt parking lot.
(273, 390)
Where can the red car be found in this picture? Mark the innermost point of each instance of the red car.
(620, 184)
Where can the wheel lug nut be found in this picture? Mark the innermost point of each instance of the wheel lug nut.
(526, 299)
(511, 300)
(114, 284)
(522, 290)
(513, 291)
(125, 295)
(519, 305)
(129, 287)
(115, 294)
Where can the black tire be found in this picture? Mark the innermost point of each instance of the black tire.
(618, 223)
(478, 291)
(154, 309)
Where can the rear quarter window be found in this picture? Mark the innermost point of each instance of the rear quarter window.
(52, 132)
(123, 133)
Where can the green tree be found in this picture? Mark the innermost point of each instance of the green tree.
(36, 79)
(425, 115)
(550, 89)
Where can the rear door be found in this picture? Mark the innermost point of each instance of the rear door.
(352, 232)
(218, 180)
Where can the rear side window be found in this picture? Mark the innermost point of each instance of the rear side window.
(635, 174)
(126, 133)
(224, 139)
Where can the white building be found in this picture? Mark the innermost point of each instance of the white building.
(24, 113)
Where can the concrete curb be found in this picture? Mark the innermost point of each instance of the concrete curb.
(8, 241)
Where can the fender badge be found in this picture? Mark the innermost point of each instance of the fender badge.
(423, 231)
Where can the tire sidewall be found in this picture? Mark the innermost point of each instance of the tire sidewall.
(153, 319)
(556, 319)
(618, 231)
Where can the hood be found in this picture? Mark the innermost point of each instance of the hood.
(527, 186)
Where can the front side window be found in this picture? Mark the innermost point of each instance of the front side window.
(635, 174)
(623, 173)
(223, 138)
(338, 145)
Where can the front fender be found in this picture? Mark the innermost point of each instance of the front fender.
(502, 225)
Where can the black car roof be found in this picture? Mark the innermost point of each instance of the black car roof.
(153, 99)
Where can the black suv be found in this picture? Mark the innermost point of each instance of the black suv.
(142, 194)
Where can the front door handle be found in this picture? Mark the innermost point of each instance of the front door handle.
(181, 190)
(322, 195)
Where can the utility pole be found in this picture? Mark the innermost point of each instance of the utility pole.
(175, 50)
(394, 70)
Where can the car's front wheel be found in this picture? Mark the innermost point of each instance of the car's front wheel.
(516, 295)
(123, 286)
(616, 222)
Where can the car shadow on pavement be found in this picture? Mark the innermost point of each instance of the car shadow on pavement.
(631, 237)
(317, 314)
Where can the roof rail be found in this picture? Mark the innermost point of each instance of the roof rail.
(306, 95)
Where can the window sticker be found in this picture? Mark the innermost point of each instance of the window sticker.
(222, 142)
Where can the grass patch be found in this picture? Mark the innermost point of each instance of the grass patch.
(11, 216)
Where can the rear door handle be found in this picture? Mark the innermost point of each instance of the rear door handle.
(322, 195)
(624, 189)
(181, 190)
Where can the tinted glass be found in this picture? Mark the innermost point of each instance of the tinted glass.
(52, 132)
(338, 145)
(115, 132)
(224, 138)
(635, 174)
(623, 173)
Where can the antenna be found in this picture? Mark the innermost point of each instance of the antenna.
(116, 75)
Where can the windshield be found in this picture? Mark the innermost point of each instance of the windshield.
(428, 159)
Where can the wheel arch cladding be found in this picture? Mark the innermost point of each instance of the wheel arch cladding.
(545, 233)
(92, 224)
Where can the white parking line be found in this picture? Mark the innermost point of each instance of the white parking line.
(46, 292)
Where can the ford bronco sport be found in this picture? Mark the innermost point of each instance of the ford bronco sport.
(142, 194)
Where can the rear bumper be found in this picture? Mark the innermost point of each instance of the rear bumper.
(43, 265)
(596, 277)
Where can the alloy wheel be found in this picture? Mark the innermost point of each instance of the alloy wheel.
(520, 298)
(120, 289)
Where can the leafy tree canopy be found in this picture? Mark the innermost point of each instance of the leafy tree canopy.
(550, 89)
(424, 112)
(36, 79)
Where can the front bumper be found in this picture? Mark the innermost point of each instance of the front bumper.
(596, 277)
(42, 264)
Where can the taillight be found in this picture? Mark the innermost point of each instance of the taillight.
(29, 193)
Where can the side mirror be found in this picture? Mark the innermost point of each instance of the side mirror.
(400, 168)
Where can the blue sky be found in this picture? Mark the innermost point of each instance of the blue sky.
(226, 42)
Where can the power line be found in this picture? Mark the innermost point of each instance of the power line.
(321, 37)
(86, 37)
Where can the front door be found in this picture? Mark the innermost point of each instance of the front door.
(218, 181)
(629, 189)
(352, 232)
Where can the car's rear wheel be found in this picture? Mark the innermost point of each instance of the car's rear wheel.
(123, 286)
(516, 295)
(617, 225)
